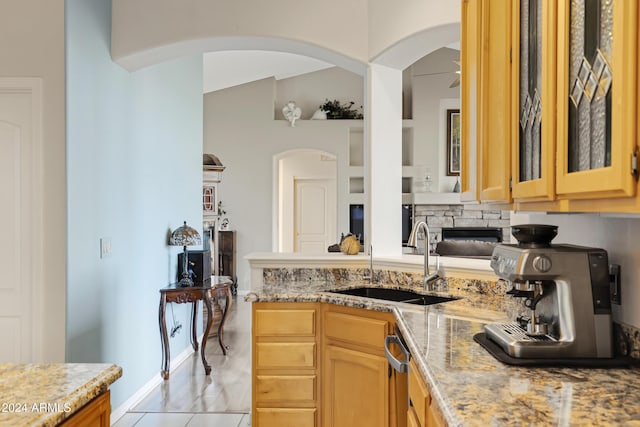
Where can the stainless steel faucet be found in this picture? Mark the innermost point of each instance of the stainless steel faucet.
(413, 242)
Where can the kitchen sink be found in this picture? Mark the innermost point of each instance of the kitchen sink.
(397, 295)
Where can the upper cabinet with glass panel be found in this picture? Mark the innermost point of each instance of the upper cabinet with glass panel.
(553, 86)
(535, 30)
(597, 88)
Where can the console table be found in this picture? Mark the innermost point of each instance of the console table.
(210, 293)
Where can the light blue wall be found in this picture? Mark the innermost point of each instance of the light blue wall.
(134, 153)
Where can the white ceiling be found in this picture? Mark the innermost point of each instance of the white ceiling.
(230, 68)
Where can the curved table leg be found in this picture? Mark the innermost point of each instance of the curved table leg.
(207, 302)
(227, 306)
(164, 338)
(194, 318)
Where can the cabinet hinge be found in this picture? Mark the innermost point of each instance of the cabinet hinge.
(634, 164)
(510, 184)
(510, 55)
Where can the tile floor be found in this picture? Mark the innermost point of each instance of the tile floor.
(189, 398)
(168, 419)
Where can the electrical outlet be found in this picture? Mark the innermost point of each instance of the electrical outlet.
(615, 284)
(105, 247)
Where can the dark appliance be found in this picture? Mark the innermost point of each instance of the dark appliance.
(199, 266)
(356, 222)
(484, 234)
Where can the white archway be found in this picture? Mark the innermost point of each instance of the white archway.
(408, 50)
(163, 53)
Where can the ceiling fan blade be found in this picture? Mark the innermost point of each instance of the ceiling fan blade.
(455, 83)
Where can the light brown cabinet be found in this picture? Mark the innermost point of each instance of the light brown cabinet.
(550, 95)
(422, 411)
(94, 414)
(355, 387)
(486, 100)
(285, 364)
(356, 378)
(320, 364)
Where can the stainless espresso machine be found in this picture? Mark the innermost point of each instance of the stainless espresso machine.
(566, 291)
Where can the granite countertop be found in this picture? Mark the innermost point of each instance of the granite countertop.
(469, 386)
(45, 394)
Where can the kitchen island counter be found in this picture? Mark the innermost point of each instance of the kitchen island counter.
(47, 394)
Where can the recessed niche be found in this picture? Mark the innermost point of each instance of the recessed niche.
(356, 185)
(406, 184)
(407, 147)
(356, 147)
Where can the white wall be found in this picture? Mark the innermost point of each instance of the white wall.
(145, 31)
(239, 128)
(401, 32)
(431, 77)
(619, 236)
(32, 45)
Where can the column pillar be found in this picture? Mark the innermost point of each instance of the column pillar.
(383, 160)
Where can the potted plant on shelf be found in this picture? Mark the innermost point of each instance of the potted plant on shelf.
(337, 110)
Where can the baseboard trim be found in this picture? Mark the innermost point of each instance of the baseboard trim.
(137, 397)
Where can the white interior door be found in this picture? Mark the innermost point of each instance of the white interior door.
(19, 336)
(315, 215)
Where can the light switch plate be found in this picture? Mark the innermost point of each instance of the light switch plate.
(105, 247)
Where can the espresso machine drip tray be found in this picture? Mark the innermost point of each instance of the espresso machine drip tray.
(514, 332)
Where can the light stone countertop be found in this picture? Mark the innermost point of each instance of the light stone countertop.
(45, 394)
(469, 386)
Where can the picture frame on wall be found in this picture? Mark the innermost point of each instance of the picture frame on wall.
(453, 142)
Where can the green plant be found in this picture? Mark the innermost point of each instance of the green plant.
(337, 110)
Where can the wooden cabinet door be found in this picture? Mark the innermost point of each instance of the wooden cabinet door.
(94, 414)
(495, 114)
(470, 56)
(356, 388)
(597, 102)
(412, 419)
(534, 131)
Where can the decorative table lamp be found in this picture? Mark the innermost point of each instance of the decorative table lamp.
(185, 236)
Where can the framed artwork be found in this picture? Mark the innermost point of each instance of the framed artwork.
(453, 142)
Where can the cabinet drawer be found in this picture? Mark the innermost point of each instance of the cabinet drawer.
(300, 323)
(418, 394)
(299, 388)
(355, 329)
(285, 417)
(277, 355)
